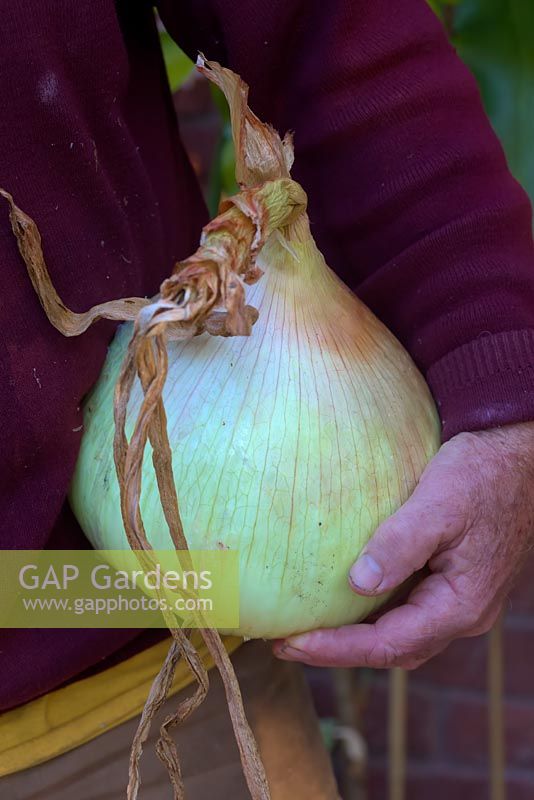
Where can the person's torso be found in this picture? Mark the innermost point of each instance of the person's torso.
(89, 147)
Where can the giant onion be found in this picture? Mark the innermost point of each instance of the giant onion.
(290, 445)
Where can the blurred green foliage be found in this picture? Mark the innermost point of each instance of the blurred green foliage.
(495, 38)
(179, 66)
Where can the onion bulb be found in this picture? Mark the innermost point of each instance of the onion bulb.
(290, 445)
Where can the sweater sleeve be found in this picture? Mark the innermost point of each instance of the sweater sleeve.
(410, 197)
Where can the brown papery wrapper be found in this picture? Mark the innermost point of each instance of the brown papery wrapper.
(204, 293)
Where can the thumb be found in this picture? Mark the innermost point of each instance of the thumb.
(404, 543)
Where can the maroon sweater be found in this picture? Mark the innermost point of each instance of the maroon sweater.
(409, 197)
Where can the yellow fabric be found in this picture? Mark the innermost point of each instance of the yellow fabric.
(68, 717)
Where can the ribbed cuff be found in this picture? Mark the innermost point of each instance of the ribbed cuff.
(485, 383)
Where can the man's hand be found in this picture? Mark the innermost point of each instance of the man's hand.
(471, 519)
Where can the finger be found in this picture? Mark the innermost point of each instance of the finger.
(406, 541)
(406, 636)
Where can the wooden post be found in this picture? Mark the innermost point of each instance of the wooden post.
(398, 689)
(495, 712)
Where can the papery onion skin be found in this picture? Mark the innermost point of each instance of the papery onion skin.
(290, 445)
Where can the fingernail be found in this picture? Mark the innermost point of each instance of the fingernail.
(366, 574)
(291, 649)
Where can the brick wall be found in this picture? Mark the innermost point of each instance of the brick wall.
(447, 726)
